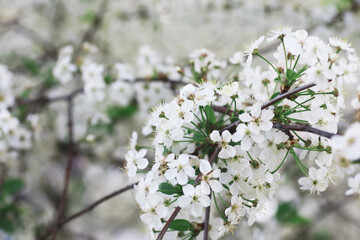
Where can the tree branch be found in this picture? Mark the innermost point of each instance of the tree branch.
(283, 127)
(207, 221)
(85, 210)
(69, 163)
(167, 224)
(303, 128)
(287, 94)
(3, 174)
(95, 25)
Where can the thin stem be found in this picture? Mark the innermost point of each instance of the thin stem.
(298, 162)
(223, 201)
(217, 207)
(258, 54)
(297, 59)
(201, 131)
(282, 162)
(167, 224)
(283, 44)
(297, 120)
(299, 136)
(310, 149)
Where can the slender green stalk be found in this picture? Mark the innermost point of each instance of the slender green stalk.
(297, 59)
(198, 128)
(300, 165)
(282, 162)
(286, 62)
(299, 136)
(269, 64)
(297, 120)
(223, 201)
(217, 208)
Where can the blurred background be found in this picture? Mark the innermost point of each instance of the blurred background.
(31, 34)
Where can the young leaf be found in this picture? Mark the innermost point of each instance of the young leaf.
(274, 95)
(32, 66)
(115, 112)
(210, 114)
(288, 214)
(167, 188)
(180, 225)
(291, 75)
(12, 186)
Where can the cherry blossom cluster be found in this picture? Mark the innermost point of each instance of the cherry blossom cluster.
(119, 85)
(347, 148)
(15, 133)
(219, 146)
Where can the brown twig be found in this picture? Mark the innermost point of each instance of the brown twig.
(69, 164)
(207, 221)
(3, 175)
(85, 210)
(89, 34)
(167, 224)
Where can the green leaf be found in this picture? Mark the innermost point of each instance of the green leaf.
(274, 95)
(180, 225)
(287, 214)
(356, 161)
(291, 75)
(115, 112)
(108, 79)
(210, 114)
(167, 188)
(50, 80)
(178, 189)
(13, 185)
(302, 70)
(6, 225)
(89, 16)
(192, 182)
(31, 66)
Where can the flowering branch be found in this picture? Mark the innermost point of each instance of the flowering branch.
(212, 158)
(85, 210)
(287, 94)
(267, 104)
